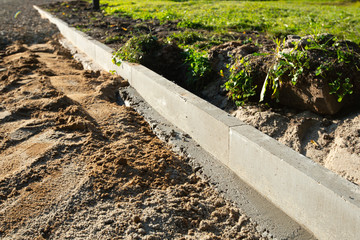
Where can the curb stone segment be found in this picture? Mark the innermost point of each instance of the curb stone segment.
(321, 201)
(184, 109)
(311, 194)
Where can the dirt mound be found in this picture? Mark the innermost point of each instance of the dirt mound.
(76, 165)
(317, 73)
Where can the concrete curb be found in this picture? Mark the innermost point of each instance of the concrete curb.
(321, 201)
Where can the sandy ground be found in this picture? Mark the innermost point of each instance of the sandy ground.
(76, 165)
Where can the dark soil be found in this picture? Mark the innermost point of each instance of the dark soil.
(112, 30)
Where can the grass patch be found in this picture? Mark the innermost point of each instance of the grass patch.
(278, 18)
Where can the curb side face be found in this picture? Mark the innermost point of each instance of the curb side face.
(258, 160)
(182, 112)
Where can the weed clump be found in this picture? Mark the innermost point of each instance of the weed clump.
(198, 66)
(136, 49)
(300, 71)
(240, 84)
(185, 65)
(322, 56)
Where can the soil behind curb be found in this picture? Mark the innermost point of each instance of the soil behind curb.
(323, 202)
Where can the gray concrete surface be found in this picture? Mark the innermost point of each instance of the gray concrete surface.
(324, 203)
(190, 113)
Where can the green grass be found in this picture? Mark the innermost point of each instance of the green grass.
(277, 18)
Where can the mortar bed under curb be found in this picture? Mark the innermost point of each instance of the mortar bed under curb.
(321, 201)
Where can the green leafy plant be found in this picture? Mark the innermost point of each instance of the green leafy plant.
(240, 84)
(343, 56)
(287, 64)
(292, 64)
(199, 66)
(135, 49)
(321, 42)
(341, 87)
(323, 68)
